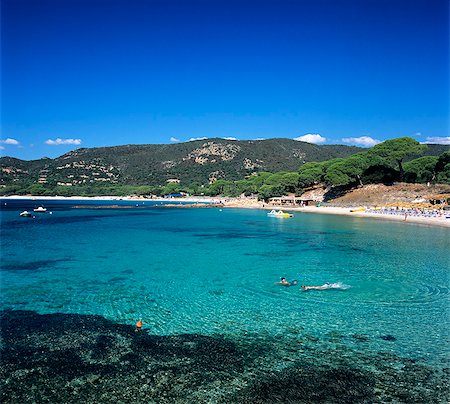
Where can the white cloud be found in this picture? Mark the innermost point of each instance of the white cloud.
(10, 141)
(2, 148)
(230, 138)
(197, 138)
(259, 138)
(174, 139)
(438, 140)
(314, 138)
(364, 141)
(59, 141)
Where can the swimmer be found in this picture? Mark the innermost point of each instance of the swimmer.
(323, 287)
(285, 282)
(138, 326)
(312, 287)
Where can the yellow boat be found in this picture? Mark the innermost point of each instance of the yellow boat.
(280, 213)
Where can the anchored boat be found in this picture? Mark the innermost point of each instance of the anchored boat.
(279, 213)
(25, 213)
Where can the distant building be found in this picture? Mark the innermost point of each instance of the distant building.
(176, 195)
(173, 181)
(292, 201)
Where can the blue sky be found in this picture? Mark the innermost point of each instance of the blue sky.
(88, 73)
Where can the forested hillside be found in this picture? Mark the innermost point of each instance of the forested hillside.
(196, 161)
(217, 166)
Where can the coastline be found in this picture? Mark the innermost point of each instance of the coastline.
(249, 203)
(335, 210)
(429, 221)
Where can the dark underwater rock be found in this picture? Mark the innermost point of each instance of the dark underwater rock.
(62, 358)
(307, 385)
(32, 265)
(66, 358)
(360, 337)
(388, 337)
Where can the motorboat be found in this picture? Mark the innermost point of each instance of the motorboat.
(40, 209)
(279, 213)
(25, 213)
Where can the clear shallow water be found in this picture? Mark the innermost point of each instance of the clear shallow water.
(212, 271)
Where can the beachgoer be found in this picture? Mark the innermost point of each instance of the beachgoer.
(138, 326)
(323, 287)
(285, 282)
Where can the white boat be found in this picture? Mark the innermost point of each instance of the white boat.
(40, 209)
(25, 213)
(279, 213)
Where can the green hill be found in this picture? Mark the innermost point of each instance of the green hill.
(197, 161)
(155, 164)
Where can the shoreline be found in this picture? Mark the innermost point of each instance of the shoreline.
(243, 203)
(429, 221)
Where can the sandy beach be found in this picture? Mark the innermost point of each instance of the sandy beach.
(252, 203)
(350, 211)
(431, 221)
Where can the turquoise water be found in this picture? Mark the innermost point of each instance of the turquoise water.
(212, 271)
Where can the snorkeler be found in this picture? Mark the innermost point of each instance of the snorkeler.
(138, 326)
(323, 287)
(312, 287)
(285, 282)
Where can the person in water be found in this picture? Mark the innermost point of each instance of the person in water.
(285, 282)
(323, 287)
(138, 326)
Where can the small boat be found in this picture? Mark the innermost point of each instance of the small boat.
(279, 213)
(25, 213)
(40, 209)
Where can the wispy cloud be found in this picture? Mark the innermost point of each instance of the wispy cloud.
(2, 147)
(230, 138)
(58, 142)
(314, 138)
(364, 141)
(197, 138)
(174, 140)
(438, 140)
(10, 141)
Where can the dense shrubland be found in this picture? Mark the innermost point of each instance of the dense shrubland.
(387, 162)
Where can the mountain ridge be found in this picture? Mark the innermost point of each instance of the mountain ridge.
(199, 161)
